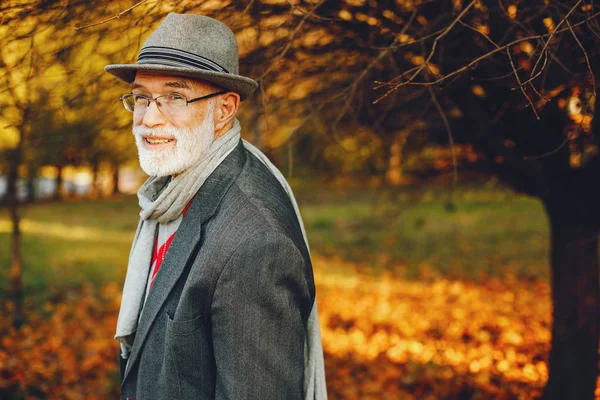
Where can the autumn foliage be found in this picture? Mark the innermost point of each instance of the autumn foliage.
(383, 337)
(66, 349)
(388, 338)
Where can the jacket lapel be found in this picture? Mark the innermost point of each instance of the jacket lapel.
(188, 236)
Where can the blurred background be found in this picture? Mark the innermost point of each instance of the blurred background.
(444, 158)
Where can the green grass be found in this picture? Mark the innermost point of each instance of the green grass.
(470, 233)
(466, 234)
(66, 244)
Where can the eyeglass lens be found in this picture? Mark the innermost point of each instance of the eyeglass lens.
(139, 103)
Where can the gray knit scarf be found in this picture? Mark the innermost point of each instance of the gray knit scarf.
(162, 200)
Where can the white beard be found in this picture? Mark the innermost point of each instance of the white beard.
(189, 146)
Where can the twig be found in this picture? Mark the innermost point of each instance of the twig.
(512, 64)
(116, 16)
(541, 96)
(587, 60)
(395, 86)
(593, 30)
(417, 41)
(555, 59)
(533, 77)
(372, 64)
(554, 31)
(440, 111)
(291, 39)
(301, 11)
(496, 78)
(552, 152)
(481, 33)
(437, 39)
(248, 7)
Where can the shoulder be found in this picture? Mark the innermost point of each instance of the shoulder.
(259, 184)
(257, 202)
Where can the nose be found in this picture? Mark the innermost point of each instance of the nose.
(153, 116)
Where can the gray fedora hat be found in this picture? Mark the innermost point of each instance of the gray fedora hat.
(193, 46)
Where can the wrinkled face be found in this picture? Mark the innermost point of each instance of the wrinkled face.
(172, 139)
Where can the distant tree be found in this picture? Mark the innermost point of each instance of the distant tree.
(18, 64)
(51, 104)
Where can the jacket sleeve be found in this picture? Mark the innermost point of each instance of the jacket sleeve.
(257, 325)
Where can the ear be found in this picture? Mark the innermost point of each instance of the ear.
(225, 109)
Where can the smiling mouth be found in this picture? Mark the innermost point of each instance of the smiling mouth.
(156, 141)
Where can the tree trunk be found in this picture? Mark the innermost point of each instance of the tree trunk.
(16, 275)
(31, 174)
(573, 362)
(95, 192)
(59, 181)
(116, 180)
(393, 146)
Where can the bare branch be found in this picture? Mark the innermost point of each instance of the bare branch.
(554, 31)
(116, 16)
(395, 86)
(291, 39)
(371, 65)
(481, 33)
(548, 154)
(417, 41)
(533, 77)
(587, 60)
(442, 113)
(248, 7)
(593, 30)
(444, 117)
(435, 42)
(520, 84)
(497, 78)
(304, 12)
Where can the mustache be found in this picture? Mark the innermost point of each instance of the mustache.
(163, 133)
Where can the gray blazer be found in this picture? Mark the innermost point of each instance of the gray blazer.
(226, 317)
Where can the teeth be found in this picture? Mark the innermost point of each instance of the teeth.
(158, 141)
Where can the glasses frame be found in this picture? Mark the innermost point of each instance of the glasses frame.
(151, 99)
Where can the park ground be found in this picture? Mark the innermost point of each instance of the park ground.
(433, 293)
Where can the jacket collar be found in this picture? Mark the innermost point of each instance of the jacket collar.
(203, 207)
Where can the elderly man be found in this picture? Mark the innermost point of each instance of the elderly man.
(219, 297)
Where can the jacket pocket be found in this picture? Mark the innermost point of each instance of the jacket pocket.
(185, 327)
(188, 359)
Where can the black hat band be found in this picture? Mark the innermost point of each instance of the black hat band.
(177, 58)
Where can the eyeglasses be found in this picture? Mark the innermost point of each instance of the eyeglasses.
(170, 103)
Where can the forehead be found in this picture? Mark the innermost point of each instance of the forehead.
(152, 81)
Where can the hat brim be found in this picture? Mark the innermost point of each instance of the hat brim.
(236, 83)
